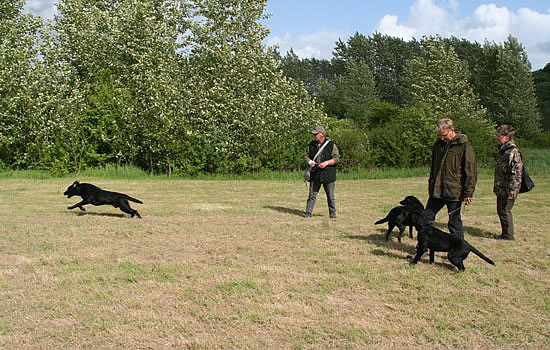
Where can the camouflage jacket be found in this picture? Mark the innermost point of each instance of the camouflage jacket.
(509, 166)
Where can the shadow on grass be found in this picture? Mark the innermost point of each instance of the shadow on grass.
(286, 210)
(379, 240)
(84, 213)
(468, 231)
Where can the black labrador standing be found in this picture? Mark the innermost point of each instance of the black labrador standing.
(400, 216)
(96, 196)
(435, 240)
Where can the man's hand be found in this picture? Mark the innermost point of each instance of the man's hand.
(468, 200)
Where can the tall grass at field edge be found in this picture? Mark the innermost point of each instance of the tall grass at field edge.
(537, 162)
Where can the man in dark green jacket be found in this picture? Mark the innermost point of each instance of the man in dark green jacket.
(453, 175)
(323, 170)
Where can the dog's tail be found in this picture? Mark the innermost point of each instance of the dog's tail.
(133, 199)
(480, 254)
(381, 221)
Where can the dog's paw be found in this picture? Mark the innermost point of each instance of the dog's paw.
(82, 208)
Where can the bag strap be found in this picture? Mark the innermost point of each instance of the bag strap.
(321, 150)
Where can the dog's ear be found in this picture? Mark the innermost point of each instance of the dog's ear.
(76, 183)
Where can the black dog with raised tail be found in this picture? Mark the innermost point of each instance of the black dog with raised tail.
(433, 239)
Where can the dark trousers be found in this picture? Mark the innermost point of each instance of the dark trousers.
(314, 188)
(453, 209)
(504, 211)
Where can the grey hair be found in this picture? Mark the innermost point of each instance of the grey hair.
(446, 124)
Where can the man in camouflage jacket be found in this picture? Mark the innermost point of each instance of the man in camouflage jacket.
(508, 169)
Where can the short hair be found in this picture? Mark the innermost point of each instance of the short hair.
(446, 124)
(506, 130)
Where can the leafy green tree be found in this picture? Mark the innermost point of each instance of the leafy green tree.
(541, 80)
(189, 86)
(439, 83)
(357, 91)
(331, 97)
(404, 140)
(312, 72)
(467, 51)
(242, 108)
(23, 133)
(299, 70)
(352, 142)
(387, 57)
(138, 42)
(382, 113)
(104, 120)
(505, 85)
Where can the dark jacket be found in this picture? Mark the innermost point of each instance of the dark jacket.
(508, 169)
(328, 174)
(453, 173)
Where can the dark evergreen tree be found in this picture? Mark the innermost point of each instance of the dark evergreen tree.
(541, 79)
(505, 86)
(386, 56)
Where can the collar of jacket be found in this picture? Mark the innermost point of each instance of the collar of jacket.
(458, 140)
(506, 146)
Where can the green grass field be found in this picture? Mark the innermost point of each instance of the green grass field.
(233, 265)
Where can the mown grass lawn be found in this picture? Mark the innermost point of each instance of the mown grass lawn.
(232, 264)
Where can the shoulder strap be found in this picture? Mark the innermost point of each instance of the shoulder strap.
(321, 150)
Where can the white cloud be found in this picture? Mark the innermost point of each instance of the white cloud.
(426, 17)
(488, 22)
(44, 8)
(388, 25)
(319, 44)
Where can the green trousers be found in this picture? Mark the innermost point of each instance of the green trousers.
(504, 211)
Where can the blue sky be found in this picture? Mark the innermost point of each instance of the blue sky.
(311, 27)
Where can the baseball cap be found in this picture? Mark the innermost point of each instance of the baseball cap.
(319, 130)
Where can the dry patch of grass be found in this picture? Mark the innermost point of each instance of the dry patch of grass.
(232, 264)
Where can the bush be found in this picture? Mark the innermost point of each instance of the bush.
(352, 143)
(535, 140)
(405, 141)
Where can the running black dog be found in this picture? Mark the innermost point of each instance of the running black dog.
(400, 216)
(96, 196)
(435, 240)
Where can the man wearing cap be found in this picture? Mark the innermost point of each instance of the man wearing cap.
(323, 170)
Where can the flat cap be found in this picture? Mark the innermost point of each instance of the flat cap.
(319, 130)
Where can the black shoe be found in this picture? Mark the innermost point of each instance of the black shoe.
(333, 216)
(306, 215)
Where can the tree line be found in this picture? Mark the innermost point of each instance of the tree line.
(395, 90)
(187, 87)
